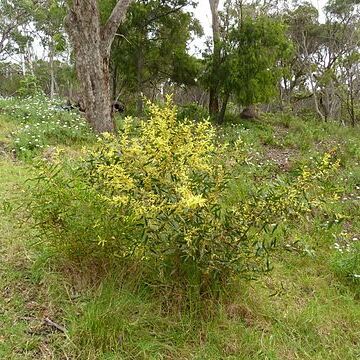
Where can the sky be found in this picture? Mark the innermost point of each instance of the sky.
(202, 12)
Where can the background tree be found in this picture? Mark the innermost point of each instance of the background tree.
(91, 40)
(215, 59)
(320, 56)
(151, 48)
(348, 85)
(48, 20)
(251, 47)
(303, 28)
(13, 15)
(343, 44)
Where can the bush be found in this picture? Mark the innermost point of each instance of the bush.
(193, 111)
(154, 194)
(29, 86)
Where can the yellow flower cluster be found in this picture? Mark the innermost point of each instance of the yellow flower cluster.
(167, 167)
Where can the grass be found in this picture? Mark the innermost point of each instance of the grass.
(303, 309)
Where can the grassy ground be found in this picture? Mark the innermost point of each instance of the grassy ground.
(306, 308)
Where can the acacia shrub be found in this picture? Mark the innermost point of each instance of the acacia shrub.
(153, 194)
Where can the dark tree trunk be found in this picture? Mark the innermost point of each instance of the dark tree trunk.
(91, 44)
(213, 101)
(221, 115)
(114, 82)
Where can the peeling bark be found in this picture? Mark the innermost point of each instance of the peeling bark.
(92, 44)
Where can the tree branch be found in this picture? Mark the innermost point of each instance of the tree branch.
(109, 29)
(167, 13)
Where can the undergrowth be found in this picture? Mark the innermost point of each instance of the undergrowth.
(43, 123)
(306, 307)
(154, 195)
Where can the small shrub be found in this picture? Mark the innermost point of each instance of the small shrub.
(154, 194)
(346, 261)
(29, 86)
(192, 111)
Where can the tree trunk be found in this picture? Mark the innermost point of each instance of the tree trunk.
(221, 116)
(91, 44)
(214, 87)
(114, 82)
(139, 81)
(316, 101)
(351, 106)
(213, 101)
(23, 64)
(312, 81)
(52, 72)
(29, 58)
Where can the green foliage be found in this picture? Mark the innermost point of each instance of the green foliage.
(29, 86)
(43, 123)
(193, 112)
(252, 50)
(346, 260)
(154, 195)
(255, 49)
(64, 74)
(49, 20)
(124, 313)
(153, 45)
(9, 79)
(13, 15)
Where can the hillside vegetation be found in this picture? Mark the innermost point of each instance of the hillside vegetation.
(86, 284)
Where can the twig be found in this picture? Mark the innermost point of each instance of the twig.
(124, 37)
(54, 325)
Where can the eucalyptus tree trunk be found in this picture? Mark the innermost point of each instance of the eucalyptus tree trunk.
(91, 43)
(312, 81)
(221, 115)
(214, 91)
(52, 72)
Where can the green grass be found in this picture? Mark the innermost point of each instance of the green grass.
(305, 308)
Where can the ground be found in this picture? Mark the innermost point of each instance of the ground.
(302, 309)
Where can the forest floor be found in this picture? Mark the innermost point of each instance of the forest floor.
(305, 308)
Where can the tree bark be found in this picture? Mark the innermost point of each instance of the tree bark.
(221, 115)
(52, 72)
(92, 44)
(214, 91)
(114, 82)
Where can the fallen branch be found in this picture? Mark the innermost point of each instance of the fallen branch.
(49, 322)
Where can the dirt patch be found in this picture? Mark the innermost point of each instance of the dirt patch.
(328, 145)
(283, 158)
(281, 131)
(3, 147)
(237, 311)
(5, 151)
